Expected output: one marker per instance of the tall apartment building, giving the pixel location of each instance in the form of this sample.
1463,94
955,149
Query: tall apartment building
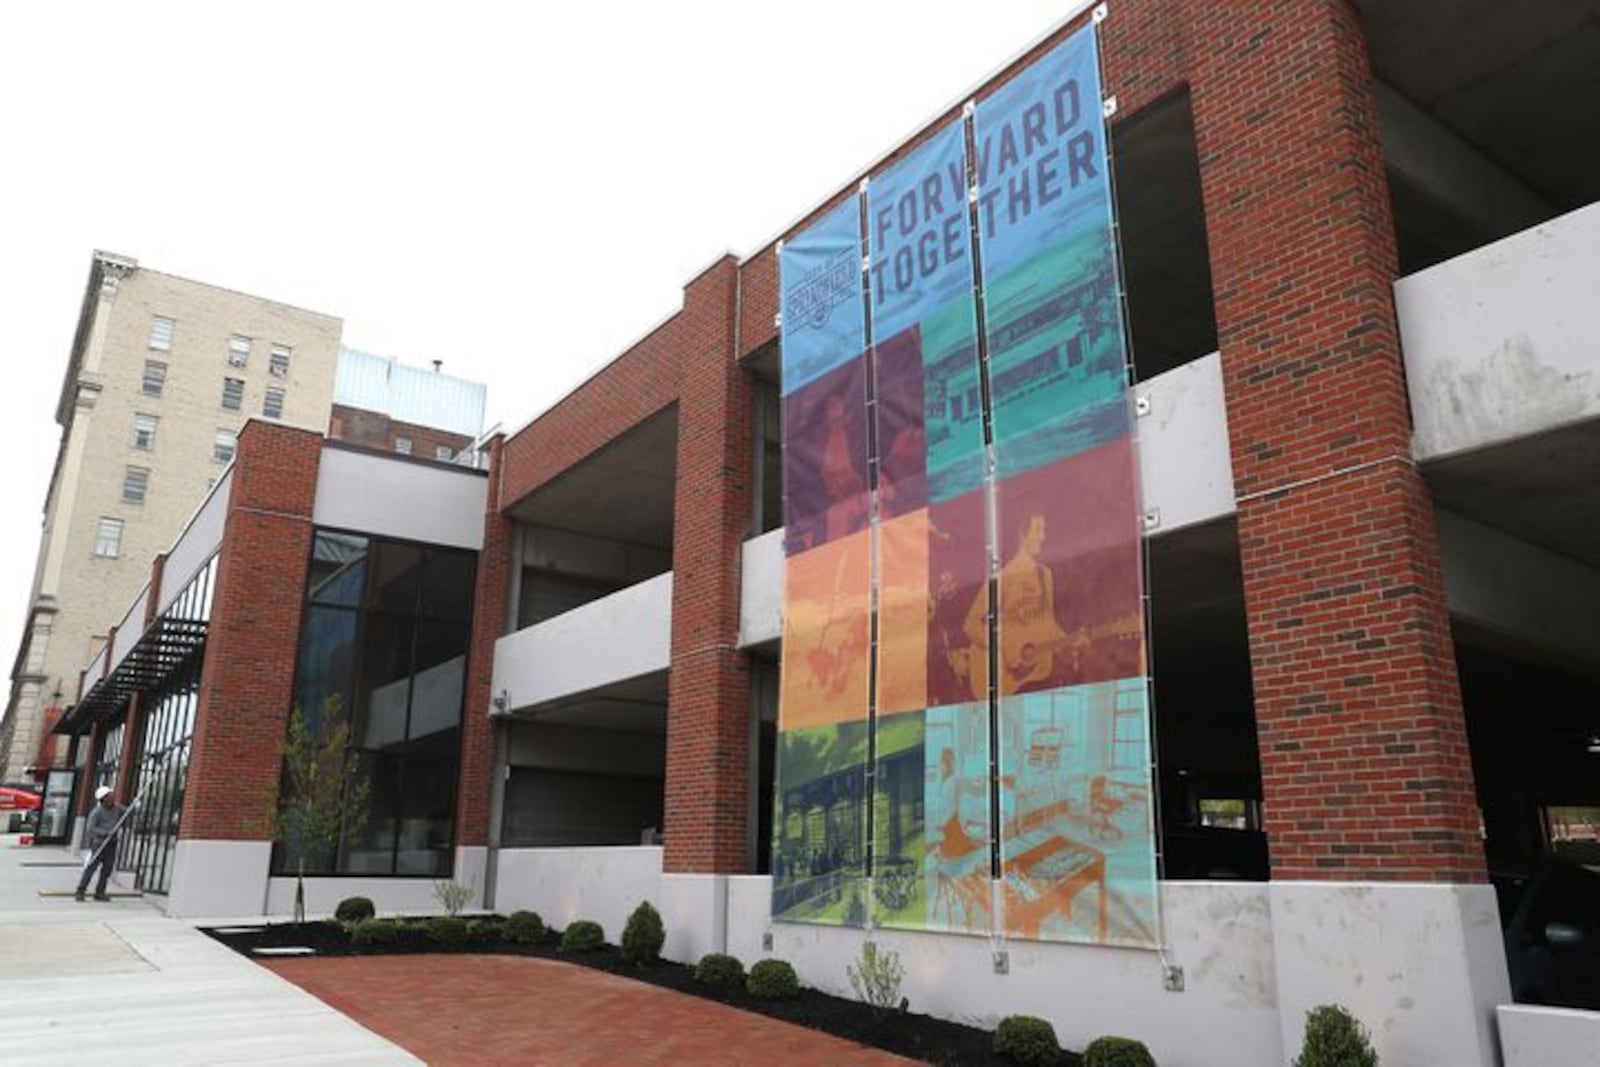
163,373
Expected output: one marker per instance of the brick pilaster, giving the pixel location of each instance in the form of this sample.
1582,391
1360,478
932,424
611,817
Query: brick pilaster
247,682
490,591
1364,753
709,691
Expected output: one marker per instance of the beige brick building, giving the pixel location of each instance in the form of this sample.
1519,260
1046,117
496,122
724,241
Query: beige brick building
162,374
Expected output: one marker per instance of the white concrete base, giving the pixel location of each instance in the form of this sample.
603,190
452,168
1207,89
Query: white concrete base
1548,1037
1220,934
230,879
1422,966
694,909
563,884
218,878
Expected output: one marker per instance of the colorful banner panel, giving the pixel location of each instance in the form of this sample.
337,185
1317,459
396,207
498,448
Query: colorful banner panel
819,851
931,798
1057,367
1077,829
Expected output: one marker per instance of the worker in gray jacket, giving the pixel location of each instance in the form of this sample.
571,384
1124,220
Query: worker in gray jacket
100,838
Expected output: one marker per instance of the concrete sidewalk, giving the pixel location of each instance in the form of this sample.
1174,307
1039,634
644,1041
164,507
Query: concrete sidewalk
120,982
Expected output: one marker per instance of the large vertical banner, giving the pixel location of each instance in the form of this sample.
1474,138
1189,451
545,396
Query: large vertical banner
931,791
1077,832
819,827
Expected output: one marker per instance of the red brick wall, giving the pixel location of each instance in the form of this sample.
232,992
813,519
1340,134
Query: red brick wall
708,737
1363,743
490,591
247,682
374,429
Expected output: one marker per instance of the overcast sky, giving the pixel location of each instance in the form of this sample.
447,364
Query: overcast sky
519,190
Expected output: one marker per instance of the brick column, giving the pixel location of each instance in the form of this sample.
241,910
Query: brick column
490,590
708,748
247,682
1364,753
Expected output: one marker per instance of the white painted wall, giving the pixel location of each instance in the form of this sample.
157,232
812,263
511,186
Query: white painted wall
1519,590
398,497
198,542
621,636
1548,1037
130,628
230,879
219,878
1504,341
1185,472
761,589
563,884
1422,966
1219,932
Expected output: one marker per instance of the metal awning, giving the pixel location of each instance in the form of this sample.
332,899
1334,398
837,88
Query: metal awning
160,652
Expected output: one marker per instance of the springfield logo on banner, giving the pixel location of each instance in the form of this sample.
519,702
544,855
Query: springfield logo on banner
1008,741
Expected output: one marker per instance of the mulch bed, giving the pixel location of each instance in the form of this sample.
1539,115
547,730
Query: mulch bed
919,1037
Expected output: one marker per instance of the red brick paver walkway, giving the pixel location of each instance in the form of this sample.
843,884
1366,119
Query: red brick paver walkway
517,1010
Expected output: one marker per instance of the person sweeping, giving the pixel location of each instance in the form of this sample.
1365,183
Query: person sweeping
100,833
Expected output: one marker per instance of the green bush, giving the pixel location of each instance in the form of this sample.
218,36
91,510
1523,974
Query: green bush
486,930
582,936
876,978
719,970
1335,1039
354,909
1117,1052
374,931
447,929
1026,1039
772,980
525,927
644,935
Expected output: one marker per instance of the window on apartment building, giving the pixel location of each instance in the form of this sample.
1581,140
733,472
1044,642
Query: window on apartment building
238,350
272,404
108,538
155,378
135,483
278,361
233,393
144,431
443,453
402,445
161,334
223,445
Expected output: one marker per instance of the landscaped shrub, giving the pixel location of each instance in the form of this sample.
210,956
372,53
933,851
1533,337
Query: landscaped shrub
354,909
1026,1039
374,932
447,929
582,936
1117,1052
772,980
524,927
876,977
1335,1039
720,970
451,895
644,935
486,930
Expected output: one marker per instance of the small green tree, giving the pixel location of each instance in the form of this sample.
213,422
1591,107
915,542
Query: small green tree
323,798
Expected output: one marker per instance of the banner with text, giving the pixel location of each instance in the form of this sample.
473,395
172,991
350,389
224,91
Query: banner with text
819,828
931,797
1076,820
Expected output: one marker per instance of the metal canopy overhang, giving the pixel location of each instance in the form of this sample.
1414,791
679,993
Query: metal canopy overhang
162,650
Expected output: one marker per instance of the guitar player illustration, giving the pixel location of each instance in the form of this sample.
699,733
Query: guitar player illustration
1031,638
